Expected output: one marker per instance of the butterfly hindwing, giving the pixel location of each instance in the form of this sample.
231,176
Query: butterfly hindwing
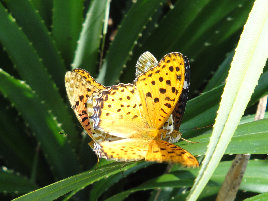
149,150
145,62
181,104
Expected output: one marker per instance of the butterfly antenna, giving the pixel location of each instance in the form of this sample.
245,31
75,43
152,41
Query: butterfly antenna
203,127
188,140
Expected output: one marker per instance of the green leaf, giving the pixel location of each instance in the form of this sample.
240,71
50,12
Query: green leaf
221,74
75,182
66,26
255,178
87,49
252,181
164,181
15,147
174,25
261,89
32,70
120,50
221,24
43,124
201,111
100,187
11,182
252,132
261,197
196,28
33,26
44,9
246,68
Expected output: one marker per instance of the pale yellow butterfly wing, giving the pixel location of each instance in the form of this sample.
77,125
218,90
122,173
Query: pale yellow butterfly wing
80,86
145,62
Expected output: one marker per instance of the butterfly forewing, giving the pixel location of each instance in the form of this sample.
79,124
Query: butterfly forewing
118,112
80,86
160,89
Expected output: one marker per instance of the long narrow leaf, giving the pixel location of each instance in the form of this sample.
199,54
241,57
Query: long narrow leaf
79,181
90,37
177,179
261,197
252,132
11,182
66,26
31,69
32,25
121,47
44,125
16,149
247,65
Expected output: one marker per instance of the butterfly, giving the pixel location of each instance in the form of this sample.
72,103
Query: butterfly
105,112
80,86
147,61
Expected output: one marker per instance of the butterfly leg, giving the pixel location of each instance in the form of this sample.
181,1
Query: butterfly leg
91,144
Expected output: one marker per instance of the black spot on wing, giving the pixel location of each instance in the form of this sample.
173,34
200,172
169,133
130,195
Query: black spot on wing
135,116
167,105
162,90
81,98
149,94
168,82
163,110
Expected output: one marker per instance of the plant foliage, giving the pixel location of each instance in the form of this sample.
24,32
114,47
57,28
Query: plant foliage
44,154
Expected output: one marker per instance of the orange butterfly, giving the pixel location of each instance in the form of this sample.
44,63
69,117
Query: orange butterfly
146,62
132,116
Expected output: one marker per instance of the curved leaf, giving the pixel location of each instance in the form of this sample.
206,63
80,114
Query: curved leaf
32,70
75,182
125,39
252,180
11,182
66,26
32,25
90,37
44,125
245,71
